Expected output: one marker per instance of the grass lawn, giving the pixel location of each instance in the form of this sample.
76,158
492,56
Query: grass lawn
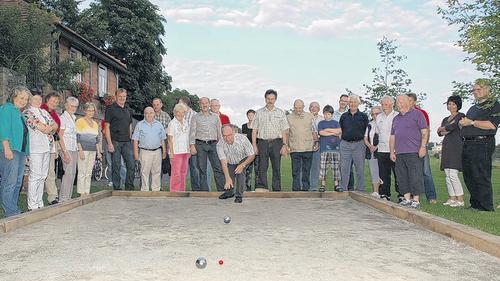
486,221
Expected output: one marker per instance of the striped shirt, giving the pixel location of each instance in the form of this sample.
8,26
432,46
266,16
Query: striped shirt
234,153
188,116
270,124
204,127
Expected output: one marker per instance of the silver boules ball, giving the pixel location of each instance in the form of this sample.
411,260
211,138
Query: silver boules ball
227,219
201,263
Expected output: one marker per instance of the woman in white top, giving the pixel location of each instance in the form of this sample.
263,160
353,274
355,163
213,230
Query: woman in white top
371,142
69,148
178,139
41,127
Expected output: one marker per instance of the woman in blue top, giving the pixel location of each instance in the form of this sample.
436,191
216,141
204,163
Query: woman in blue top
14,149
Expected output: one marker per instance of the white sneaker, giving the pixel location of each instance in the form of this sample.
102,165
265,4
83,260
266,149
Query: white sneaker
449,202
258,189
375,194
457,204
110,184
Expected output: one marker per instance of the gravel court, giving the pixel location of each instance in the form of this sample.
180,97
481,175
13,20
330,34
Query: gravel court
268,239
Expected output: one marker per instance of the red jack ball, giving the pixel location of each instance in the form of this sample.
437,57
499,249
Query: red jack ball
221,262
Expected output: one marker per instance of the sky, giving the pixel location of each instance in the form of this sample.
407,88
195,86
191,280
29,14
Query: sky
309,49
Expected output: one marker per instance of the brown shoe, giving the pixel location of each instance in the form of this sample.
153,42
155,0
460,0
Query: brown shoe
433,202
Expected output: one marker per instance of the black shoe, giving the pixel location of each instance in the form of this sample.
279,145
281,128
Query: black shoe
339,189
350,188
383,196
400,199
238,200
225,195
53,202
322,189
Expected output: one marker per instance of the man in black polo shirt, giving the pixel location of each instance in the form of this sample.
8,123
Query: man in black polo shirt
478,132
118,129
352,147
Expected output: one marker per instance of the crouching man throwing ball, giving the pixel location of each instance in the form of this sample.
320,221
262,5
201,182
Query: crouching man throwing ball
235,153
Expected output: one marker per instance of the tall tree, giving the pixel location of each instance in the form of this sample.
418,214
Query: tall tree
132,32
24,41
66,10
170,100
388,78
478,23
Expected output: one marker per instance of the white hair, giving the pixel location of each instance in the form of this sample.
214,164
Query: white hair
355,97
72,101
388,98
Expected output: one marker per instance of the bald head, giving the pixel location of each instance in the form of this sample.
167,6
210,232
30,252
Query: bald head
298,106
228,134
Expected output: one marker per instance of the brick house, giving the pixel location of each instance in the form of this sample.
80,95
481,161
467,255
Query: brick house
104,71
103,74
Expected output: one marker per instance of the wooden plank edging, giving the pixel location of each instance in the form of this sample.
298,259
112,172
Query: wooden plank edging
15,222
204,194
475,238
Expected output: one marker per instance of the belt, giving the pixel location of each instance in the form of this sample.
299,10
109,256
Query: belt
150,149
352,141
476,138
269,140
206,141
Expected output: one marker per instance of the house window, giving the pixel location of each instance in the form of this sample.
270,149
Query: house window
103,80
74,54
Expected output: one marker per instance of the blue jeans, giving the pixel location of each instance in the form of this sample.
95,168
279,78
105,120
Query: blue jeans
314,176
430,189
123,150
301,169
11,173
194,173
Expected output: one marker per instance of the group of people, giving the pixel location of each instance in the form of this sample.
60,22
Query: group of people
206,145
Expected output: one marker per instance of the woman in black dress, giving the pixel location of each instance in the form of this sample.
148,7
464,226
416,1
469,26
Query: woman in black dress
451,159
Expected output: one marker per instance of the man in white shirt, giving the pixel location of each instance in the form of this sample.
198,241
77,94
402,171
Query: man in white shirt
385,164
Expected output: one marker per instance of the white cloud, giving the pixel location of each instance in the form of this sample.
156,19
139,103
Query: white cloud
239,87
420,27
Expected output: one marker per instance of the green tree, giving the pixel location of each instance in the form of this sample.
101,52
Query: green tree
132,32
478,23
66,10
61,76
170,100
388,78
479,29
24,41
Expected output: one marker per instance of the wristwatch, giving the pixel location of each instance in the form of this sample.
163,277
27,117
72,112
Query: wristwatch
472,123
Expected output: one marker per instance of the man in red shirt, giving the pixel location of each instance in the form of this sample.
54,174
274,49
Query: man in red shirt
430,189
51,104
215,107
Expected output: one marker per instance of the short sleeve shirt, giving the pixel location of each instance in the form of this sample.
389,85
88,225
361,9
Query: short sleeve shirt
480,114
328,143
149,135
270,124
119,119
406,129
234,153
180,136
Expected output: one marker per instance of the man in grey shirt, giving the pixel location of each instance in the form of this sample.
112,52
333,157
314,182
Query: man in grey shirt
203,137
235,153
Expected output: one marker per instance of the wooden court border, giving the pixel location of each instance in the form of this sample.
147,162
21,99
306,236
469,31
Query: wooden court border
475,238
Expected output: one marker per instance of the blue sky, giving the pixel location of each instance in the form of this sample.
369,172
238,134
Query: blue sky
308,49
